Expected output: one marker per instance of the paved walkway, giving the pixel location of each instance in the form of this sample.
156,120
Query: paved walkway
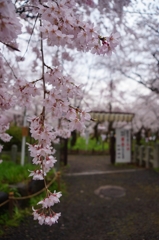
94,164
133,215
79,165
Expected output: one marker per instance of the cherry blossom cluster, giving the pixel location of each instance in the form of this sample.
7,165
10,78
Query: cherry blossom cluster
57,101
59,24
46,215
62,25
46,218
25,91
41,152
10,26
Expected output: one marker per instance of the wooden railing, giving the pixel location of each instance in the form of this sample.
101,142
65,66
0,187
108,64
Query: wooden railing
11,198
146,156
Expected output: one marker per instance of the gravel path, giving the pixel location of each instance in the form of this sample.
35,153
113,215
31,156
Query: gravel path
86,215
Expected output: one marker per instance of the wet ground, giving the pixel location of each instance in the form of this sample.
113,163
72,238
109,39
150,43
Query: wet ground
133,215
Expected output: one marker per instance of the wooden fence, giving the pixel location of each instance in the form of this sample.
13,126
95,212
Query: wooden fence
146,156
11,198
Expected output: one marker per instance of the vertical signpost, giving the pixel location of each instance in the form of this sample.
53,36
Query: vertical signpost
123,146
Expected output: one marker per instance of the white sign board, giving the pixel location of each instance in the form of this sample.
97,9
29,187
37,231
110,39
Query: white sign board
123,146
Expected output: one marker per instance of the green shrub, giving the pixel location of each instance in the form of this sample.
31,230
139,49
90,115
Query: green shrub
11,172
92,145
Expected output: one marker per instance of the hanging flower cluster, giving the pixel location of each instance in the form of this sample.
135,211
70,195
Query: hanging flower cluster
58,23
45,215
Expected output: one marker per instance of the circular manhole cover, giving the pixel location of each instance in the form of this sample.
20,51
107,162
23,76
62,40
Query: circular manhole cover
110,192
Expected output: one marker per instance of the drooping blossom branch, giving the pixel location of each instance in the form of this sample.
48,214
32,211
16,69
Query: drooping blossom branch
59,25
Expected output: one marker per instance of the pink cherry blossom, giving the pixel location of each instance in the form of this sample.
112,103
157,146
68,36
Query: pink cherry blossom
51,200
37,174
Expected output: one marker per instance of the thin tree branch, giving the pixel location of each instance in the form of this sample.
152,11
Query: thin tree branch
31,35
153,89
10,46
9,66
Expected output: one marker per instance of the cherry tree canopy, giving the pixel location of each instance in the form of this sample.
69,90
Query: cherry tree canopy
133,68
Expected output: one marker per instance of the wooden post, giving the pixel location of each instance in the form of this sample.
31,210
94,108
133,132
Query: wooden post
11,195
112,149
